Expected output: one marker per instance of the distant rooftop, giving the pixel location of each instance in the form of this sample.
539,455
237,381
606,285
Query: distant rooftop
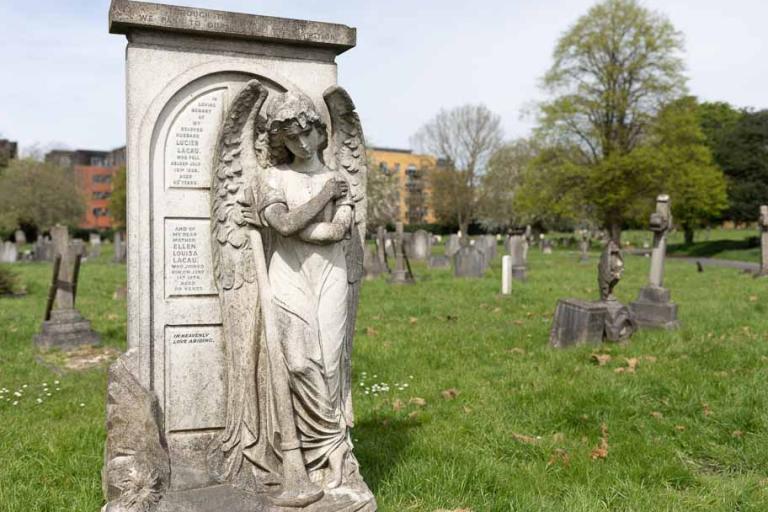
392,150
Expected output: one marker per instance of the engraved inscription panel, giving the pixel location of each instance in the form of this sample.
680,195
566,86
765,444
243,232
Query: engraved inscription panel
188,263
192,140
196,389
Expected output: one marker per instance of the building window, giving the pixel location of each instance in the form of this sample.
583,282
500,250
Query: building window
383,167
101,195
100,212
101,178
97,161
397,168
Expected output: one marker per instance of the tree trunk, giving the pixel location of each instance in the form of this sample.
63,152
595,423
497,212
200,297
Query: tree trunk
614,230
464,228
689,232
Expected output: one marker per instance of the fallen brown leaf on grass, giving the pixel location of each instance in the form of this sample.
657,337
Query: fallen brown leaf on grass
680,428
737,433
420,402
558,437
753,298
370,331
450,394
412,320
706,410
517,350
524,438
559,455
397,405
650,359
657,415
413,415
631,365
518,322
601,359
601,452
467,409
497,310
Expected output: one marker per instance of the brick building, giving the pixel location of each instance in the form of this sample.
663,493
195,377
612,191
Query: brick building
94,172
412,171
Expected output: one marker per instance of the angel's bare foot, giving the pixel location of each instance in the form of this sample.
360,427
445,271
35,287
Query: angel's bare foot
298,490
336,466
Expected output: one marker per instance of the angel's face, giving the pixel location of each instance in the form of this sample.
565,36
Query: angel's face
303,144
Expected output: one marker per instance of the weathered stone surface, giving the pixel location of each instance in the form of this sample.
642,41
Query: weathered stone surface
439,261
452,245
120,248
19,237
762,223
518,264
65,330
469,261
653,308
421,245
94,245
401,274
577,321
9,253
223,267
546,246
506,274
136,469
43,250
372,264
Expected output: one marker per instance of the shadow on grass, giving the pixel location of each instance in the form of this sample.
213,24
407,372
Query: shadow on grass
712,248
384,440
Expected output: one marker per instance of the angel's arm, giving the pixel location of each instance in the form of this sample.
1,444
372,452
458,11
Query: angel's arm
327,232
288,222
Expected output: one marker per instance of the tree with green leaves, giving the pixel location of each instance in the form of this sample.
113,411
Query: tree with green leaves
463,140
38,195
613,70
383,196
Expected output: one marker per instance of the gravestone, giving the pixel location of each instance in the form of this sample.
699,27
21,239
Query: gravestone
546,246
583,246
217,103
653,307
63,326
371,265
381,248
469,261
518,265
763,224
421,245
43,250
402,272
94,245
528,241
120,248
506,274
9,253
578,321
452,245
20,237
439,261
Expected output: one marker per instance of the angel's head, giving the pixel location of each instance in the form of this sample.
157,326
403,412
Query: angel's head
295,129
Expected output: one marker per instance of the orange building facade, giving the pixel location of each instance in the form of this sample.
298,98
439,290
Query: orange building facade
412,171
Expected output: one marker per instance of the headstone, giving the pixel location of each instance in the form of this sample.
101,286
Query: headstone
469,261
763,224
506,274
402,271
528,241
381,251
584,246
421,246
43,250
546,246
9,253
20,237
63,326
120,248
439,261
94,245
578,321
217,102
452,245
653,307
488,246
371,264
517,254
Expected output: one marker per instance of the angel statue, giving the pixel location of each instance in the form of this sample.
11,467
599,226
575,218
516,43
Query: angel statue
287,235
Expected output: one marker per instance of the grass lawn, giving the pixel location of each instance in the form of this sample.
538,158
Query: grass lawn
529,429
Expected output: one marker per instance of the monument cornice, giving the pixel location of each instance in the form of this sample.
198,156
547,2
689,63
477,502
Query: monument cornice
127,16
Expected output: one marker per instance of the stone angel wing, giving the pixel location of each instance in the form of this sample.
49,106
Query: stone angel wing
234,164
350,160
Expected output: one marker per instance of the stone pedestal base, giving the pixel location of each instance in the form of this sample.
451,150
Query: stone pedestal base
66,329
439,261
578,321
654,309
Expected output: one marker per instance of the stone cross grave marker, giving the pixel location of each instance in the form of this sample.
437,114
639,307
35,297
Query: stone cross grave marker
653,307
402,272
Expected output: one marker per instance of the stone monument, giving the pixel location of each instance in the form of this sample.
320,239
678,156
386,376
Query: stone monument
578,321
381,248
421,245
246,220
763,224
9,252
506,274
469,261
583,245
517,253
94,245
120,248
402,273
653,307
20,237
452,245
63,325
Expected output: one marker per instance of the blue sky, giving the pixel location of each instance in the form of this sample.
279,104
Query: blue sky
62,81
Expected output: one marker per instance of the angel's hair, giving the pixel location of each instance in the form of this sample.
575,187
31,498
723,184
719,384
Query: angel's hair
290,113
